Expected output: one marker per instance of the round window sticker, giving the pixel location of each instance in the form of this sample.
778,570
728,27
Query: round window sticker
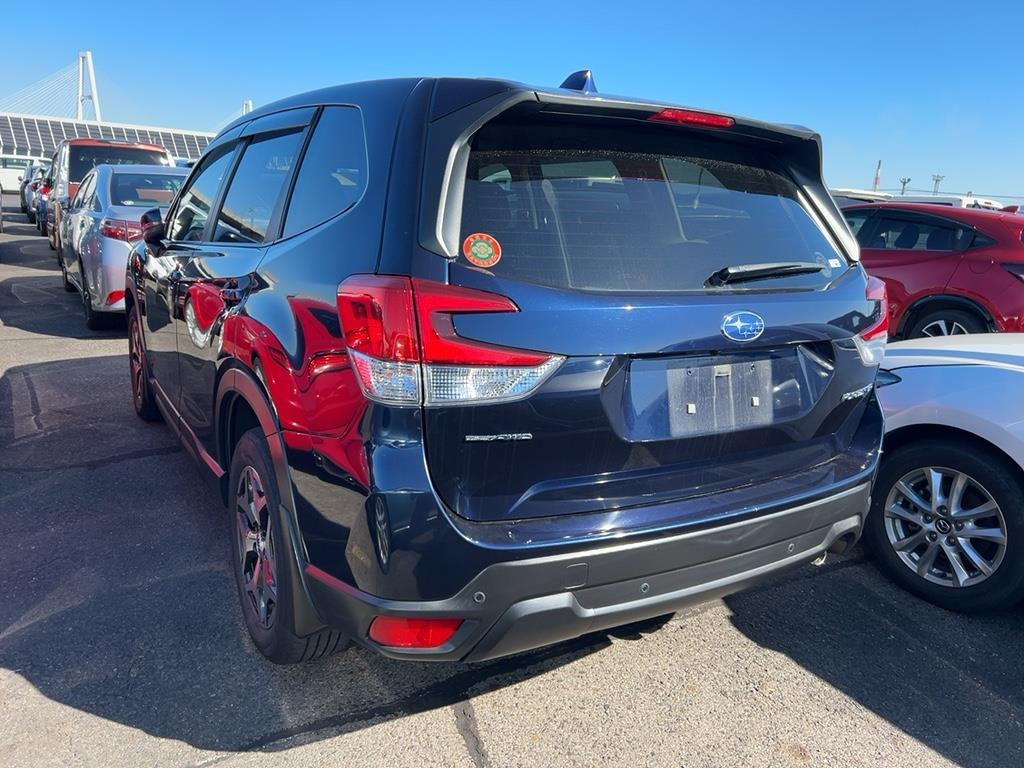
481,250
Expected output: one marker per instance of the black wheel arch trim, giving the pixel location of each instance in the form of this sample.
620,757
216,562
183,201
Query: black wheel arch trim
960,302
237,381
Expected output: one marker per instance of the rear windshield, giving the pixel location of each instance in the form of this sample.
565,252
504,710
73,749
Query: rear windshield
84,159
152,190
632,209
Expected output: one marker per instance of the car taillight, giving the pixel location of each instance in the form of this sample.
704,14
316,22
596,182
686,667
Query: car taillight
114,296
119,229
690,117
398,632
872,340
401,338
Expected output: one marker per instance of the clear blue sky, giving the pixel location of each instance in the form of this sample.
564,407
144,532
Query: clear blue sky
923,86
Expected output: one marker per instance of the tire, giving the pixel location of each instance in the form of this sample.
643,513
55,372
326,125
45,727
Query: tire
50,240
263,562
142,395
947,322
94,321
24,208
65,283
31,216
990,477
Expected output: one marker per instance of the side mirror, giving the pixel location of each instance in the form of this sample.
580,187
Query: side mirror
152,226
19,178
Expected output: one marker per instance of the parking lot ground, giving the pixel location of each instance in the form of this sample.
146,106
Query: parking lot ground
121,642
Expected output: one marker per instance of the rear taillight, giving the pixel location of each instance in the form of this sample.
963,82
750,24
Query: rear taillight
872,340
401,338
398,632
119,229
690,117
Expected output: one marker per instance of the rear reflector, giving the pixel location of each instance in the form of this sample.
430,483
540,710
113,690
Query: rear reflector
688,116
114,296
399,632
871,341
401,338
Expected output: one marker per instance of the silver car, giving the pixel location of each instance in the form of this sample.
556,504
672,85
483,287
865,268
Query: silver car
100,227
947,516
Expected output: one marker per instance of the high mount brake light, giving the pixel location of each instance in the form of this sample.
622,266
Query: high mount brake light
691,117
872,340
402,341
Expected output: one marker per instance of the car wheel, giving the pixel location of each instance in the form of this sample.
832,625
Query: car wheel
24,208
947,322
31,216
67,284
142,396
94,321
50,239
262,557
947,523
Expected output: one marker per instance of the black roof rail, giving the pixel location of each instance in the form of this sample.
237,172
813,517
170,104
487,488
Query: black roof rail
580,81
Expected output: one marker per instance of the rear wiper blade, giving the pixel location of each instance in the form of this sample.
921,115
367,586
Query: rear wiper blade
741,273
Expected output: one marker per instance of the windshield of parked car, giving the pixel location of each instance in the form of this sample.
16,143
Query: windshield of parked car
84,159
142,189
594,207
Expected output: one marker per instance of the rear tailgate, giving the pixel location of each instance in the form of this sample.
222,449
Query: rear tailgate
606,233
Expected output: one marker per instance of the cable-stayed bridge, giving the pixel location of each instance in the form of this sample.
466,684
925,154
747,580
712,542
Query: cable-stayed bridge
66,105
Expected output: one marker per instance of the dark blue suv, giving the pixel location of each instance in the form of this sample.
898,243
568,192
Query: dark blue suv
479,367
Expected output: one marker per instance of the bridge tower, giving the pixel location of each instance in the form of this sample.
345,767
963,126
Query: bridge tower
87,87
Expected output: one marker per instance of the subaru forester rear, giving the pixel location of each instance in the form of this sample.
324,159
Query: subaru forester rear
567,362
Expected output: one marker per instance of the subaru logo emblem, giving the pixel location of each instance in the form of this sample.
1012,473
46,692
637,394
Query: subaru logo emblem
742,326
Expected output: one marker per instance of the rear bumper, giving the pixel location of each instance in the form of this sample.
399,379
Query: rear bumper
516,606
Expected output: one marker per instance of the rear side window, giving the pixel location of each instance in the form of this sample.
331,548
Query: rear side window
630,209
919,233
332,176
256,188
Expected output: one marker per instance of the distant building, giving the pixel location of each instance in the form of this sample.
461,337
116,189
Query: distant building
27,138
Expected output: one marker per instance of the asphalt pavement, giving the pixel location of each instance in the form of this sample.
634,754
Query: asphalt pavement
121,642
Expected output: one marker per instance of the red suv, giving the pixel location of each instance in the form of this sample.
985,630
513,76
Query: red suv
948,270
74,158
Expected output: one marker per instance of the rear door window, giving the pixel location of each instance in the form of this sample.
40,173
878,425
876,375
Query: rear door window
256,188
332,176
630,211
919,233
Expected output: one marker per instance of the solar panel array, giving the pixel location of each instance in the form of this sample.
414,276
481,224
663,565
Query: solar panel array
32,136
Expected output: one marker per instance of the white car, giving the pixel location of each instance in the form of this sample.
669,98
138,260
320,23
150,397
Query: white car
947,510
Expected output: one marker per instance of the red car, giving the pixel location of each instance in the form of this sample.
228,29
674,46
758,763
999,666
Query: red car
74,158
948,270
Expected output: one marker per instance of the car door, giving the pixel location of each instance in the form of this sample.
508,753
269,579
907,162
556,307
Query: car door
915,253
73,222
187,223
214,279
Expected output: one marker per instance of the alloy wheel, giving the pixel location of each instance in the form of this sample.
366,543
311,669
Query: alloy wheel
945,526
137,363
256,546
944,328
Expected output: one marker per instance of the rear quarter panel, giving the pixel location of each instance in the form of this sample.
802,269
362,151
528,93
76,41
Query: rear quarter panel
983,400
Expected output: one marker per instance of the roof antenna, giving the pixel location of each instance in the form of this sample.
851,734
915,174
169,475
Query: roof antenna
580,81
